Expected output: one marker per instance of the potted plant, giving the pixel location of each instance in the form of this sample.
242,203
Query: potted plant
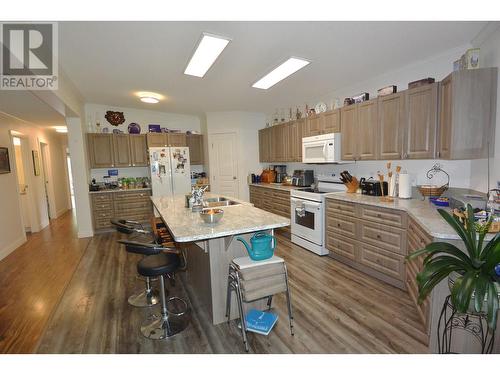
474,284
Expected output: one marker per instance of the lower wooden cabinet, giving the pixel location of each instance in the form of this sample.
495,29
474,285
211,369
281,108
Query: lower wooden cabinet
131,205
361,234
272,200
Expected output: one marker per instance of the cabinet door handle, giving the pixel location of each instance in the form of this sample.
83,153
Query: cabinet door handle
378,236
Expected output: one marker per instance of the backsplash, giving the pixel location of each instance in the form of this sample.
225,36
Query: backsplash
99,173
459,170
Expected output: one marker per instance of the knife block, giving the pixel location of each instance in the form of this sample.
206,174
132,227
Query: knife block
352,187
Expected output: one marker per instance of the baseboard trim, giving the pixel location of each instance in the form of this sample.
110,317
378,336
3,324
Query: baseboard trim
13,246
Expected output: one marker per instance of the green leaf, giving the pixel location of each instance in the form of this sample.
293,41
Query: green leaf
492,305
481,287
447,248
426,285
460,229
483,234
461,292
471,229
493,258
490,246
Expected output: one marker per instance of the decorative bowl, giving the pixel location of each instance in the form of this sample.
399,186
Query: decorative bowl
212,215
432,190
134,128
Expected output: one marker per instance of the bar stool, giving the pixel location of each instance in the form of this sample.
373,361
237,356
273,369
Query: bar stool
255,280
170,322
149,296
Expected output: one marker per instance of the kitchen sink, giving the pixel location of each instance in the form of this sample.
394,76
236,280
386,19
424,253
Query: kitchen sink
219,202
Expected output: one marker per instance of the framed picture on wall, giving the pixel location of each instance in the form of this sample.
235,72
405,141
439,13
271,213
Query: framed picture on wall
36,162
4,160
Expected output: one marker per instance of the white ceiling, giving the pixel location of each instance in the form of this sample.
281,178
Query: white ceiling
108,61
27,107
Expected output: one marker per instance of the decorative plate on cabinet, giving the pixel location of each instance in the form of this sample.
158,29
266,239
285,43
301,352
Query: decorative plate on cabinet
320,107
114,118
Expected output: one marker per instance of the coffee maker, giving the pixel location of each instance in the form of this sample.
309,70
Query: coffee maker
280,171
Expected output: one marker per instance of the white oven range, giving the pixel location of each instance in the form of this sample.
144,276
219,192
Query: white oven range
308,214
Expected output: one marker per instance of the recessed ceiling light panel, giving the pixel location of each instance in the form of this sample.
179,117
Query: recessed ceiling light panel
207,51
286,69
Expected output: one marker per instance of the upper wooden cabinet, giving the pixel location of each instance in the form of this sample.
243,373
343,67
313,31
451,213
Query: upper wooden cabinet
314,125
349,121
176,139
420,122
265,145
323,123
167,140
467,114
121,150
367,131
331,123
100,147
139,150
359,131
195,144
390,126
117,150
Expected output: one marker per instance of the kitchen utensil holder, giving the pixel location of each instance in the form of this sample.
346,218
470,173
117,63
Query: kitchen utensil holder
352,186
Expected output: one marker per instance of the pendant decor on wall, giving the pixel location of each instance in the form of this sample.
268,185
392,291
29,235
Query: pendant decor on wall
115,118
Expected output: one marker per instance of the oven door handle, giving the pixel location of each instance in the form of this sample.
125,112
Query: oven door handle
298,203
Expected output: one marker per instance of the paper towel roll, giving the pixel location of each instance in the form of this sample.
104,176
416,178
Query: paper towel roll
404,185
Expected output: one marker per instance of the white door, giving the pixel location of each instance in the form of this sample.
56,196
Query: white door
224,164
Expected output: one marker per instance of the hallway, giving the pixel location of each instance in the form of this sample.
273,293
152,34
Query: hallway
33,279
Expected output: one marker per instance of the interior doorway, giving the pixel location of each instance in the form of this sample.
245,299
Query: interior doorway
224,164
21,151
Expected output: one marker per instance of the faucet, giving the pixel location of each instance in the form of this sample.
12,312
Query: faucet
197,196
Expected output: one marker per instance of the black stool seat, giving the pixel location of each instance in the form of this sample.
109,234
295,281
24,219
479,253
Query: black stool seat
141,248
159,264
122,226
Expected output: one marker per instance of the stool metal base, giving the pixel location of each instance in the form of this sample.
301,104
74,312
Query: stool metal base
161,328
145,298
169,324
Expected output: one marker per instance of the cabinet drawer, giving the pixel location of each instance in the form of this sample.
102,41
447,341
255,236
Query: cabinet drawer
267,204
102,223
138,216
340,208
383,216
102,206
345,227
102,198
341,245
132,196
383,261
103,215
421,237
383,236
134,205
281,209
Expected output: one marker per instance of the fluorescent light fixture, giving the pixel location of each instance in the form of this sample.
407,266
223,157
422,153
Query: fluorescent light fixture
286,69
61,129
149,97
207,51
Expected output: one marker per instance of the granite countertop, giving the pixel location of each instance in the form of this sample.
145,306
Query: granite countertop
277,186
423,212
117,190
188,226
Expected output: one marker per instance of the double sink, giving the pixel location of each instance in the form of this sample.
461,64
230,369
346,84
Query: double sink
218,202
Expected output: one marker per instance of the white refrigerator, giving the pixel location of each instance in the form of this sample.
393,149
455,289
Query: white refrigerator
170,171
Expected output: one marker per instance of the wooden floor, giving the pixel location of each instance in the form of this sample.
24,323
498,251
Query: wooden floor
33,279
336,310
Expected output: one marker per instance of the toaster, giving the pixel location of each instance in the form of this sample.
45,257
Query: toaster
372,187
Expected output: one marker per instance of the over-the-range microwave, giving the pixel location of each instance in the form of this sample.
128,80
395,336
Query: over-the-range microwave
323,148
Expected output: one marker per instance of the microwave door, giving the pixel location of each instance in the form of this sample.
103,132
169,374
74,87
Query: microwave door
314,152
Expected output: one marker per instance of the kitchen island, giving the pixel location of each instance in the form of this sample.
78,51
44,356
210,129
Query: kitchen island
211,247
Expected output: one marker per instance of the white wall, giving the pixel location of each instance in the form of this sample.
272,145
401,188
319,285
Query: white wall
245,125
142,117
463,173
11,229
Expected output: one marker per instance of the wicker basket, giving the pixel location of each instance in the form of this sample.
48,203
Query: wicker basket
432,190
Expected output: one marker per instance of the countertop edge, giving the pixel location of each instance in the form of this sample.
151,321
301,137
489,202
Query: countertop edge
278,187
118,191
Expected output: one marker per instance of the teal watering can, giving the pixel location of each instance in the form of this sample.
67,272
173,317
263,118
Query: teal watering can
262,247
